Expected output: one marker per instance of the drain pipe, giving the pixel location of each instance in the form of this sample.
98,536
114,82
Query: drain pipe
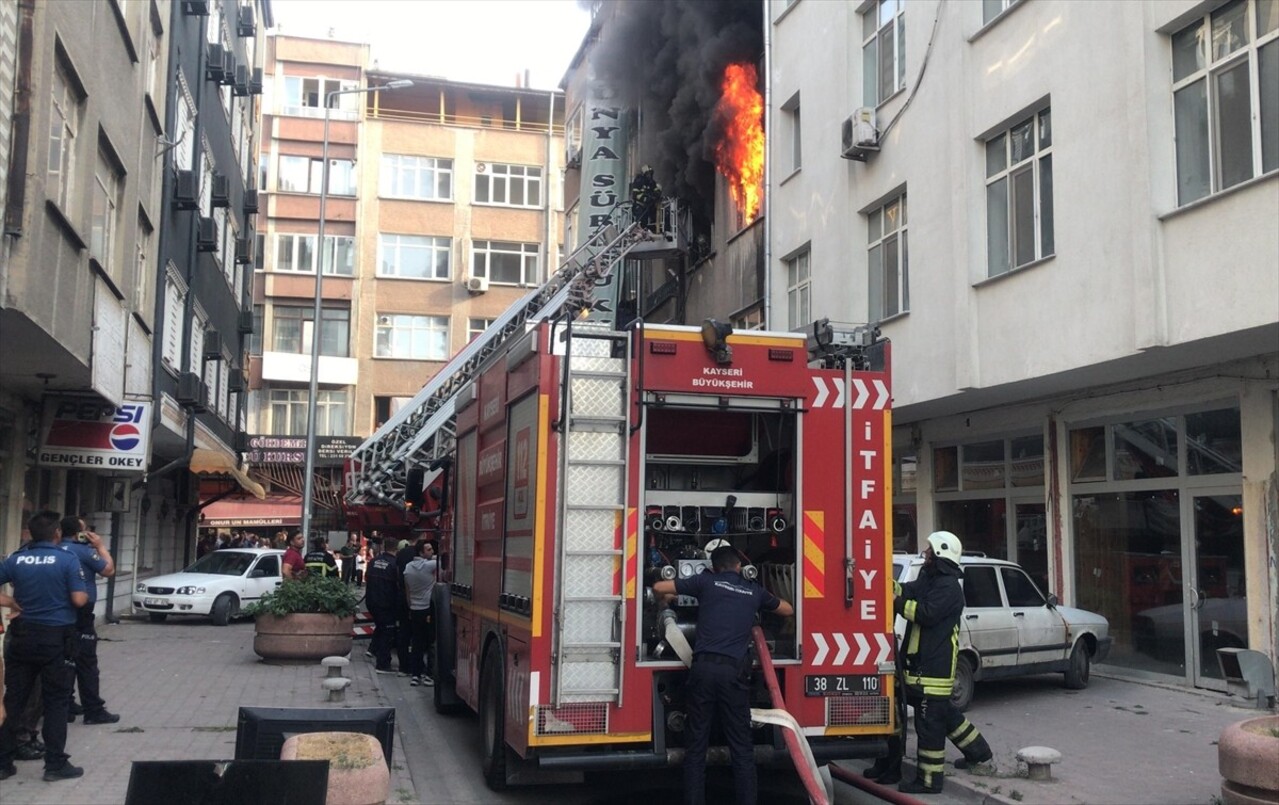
768,171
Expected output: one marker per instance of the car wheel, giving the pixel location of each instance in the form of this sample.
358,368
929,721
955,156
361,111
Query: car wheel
493,722
158,617
1080,666
961,695
223,608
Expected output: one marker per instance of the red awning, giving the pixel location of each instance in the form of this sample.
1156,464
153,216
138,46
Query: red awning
274,511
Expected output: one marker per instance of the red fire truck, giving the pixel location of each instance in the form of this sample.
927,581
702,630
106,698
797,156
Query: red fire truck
571,465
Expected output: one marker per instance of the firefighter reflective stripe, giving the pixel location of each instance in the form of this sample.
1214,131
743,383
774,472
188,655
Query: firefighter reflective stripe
932,764
908,610
931,685
964,734
814,554
912,645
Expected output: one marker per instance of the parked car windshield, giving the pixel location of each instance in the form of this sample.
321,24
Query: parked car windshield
223,563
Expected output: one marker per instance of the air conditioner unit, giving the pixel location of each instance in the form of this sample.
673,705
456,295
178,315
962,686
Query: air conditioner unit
195,8
477,284
206,236
212,345
241,80
573,157
191,391
251,200
859,137
213,62
228,69
255,81
220,193
186,191
240,442
235,380
244,324
244,251
245,24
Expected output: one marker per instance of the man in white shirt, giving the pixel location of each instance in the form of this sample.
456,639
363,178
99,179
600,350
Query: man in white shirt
419,580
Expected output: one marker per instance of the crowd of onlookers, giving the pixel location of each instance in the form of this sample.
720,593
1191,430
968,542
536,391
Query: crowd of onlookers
350,559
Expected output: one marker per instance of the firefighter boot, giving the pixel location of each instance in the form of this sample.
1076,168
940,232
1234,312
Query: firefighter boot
918,786
885,771
972,743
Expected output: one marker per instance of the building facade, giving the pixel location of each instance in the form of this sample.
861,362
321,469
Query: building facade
1075,260
443,208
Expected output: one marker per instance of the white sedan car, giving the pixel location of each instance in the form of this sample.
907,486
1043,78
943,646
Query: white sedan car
1010,629
217,585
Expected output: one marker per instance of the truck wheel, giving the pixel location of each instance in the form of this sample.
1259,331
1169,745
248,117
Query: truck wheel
1080,665
493,721
223,606
444,694
961,695
158,617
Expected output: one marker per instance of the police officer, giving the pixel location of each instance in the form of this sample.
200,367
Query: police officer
384,590
48,586
719,681
932,605
95,560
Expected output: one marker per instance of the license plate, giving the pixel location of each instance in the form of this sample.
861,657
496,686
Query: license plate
843,685
154,602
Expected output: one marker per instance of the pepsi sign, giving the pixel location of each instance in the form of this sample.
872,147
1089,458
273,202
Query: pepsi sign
88,434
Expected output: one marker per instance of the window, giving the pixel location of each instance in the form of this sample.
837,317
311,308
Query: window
306,97
288,412
883,51
206,184
104,221
476,327
798,288
154,75
993,8
424,178
791,108
512,185
297,253
64,121
888,260
255,337
1226,132
505,263
980,587
294,328
752,318
304,175
174,306
142,276
414,256
401,335
385,407
184,151
259,251
196,356
1019,194
1020,589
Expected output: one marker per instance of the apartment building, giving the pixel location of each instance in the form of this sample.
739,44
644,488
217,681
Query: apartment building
1062,215
443,208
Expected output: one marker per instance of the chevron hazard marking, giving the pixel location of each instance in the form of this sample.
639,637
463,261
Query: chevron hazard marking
822,648
839,389
863,649
822,393
882,390
843,649
885,648
863,393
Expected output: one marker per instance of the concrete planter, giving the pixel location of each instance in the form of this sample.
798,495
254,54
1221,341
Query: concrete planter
357,769
1248,758
302,637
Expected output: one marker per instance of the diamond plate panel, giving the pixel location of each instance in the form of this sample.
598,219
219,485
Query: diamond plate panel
590,529
588,622
593,485
591,347
588,445
588,575
598,396
593,676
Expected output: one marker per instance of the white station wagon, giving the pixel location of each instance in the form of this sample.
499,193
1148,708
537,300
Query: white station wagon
217,585
1010,629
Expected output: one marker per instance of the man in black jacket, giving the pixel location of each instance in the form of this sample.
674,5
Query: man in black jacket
384,591
932,606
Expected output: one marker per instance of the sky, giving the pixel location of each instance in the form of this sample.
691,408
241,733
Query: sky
483,41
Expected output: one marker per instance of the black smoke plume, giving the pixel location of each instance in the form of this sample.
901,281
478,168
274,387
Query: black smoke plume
667,58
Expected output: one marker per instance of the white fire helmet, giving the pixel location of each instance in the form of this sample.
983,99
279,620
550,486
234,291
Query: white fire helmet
946,545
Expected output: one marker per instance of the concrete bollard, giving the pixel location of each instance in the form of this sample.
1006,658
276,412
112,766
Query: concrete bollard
1039,761
336,686
335,666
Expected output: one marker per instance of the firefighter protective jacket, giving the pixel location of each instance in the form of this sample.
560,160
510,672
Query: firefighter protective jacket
932,605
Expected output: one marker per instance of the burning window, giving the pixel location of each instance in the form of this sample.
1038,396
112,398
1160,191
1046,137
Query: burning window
739,153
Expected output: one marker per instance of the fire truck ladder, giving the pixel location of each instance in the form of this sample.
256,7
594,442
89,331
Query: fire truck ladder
590,610
424,428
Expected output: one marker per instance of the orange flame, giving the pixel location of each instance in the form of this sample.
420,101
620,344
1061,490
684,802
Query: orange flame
739,155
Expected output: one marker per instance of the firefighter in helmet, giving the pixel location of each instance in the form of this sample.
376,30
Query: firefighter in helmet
932,606
645,193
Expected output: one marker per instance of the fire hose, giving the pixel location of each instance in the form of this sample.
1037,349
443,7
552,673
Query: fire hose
801,754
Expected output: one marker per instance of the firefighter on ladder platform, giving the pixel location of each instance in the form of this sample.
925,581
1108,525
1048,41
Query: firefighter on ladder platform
645,194
932,606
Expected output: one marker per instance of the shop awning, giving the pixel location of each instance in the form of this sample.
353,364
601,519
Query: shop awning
212,462
274,511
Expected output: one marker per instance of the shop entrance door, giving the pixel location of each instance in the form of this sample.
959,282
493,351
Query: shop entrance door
1216,596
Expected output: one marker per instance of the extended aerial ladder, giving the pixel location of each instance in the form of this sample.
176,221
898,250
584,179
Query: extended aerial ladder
422,430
